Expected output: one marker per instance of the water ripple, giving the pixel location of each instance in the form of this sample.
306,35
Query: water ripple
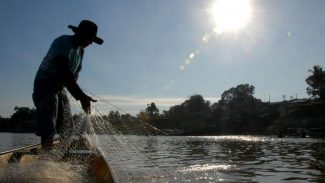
217,159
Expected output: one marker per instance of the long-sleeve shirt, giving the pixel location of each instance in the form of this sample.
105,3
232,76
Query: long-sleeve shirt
62,64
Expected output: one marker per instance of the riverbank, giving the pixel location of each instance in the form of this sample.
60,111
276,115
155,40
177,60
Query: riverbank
269,119
296,118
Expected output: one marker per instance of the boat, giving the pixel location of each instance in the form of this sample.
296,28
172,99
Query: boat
31,161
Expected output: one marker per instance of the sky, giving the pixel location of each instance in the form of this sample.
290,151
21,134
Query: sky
148,43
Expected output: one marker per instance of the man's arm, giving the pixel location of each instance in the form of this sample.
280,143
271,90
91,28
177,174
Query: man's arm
68,78
70,82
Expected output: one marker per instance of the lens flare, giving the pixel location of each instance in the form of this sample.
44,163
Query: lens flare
227,16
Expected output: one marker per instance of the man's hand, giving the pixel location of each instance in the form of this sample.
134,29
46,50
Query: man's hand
85,103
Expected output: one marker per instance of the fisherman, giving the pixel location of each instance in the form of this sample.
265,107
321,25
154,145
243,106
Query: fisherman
59,69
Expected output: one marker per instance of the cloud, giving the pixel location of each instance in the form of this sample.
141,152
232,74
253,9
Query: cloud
134,105
136,101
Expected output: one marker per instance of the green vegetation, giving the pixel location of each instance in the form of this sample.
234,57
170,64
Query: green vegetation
22,120
237,112
316,83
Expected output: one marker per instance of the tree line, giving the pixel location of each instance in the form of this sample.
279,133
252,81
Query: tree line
237,112
22,120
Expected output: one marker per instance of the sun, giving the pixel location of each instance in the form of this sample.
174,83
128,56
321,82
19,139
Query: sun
230,15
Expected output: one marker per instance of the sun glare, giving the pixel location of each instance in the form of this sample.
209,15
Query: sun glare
230,15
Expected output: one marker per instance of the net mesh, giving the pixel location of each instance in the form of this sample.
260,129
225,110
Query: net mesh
111,131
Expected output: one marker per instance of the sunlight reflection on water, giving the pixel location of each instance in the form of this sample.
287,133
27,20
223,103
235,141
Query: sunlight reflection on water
205,159
207,167
217,159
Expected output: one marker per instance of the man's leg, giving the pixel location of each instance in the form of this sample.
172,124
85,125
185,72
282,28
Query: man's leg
46,102
47,143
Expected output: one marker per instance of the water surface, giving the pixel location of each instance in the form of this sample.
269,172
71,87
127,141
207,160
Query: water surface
216,159
9,141
143,159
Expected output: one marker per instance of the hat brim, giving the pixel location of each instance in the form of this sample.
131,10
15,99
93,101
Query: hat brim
96,40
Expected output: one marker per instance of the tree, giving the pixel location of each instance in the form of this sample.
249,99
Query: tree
143,116
237,108
237,101
152,110
114,116
23,119
176,114
196,105
23,113
192,114
240,92
316,82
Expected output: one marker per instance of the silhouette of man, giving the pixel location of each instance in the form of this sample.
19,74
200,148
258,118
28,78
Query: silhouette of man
60,69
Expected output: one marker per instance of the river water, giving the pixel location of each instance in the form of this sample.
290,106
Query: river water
10,141
205,159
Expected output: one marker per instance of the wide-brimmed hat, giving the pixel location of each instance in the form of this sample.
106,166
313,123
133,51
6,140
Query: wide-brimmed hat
88,28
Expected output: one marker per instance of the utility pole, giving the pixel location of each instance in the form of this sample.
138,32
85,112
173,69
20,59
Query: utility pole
284,97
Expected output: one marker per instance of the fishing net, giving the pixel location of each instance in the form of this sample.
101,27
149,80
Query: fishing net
109,131
112,130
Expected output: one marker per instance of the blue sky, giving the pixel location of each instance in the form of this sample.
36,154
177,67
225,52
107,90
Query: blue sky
147,42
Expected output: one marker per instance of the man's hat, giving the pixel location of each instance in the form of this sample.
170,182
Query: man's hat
89,28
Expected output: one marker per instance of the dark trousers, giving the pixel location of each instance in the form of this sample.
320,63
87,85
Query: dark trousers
53,110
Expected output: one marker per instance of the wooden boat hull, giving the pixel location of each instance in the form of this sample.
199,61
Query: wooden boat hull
79,153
